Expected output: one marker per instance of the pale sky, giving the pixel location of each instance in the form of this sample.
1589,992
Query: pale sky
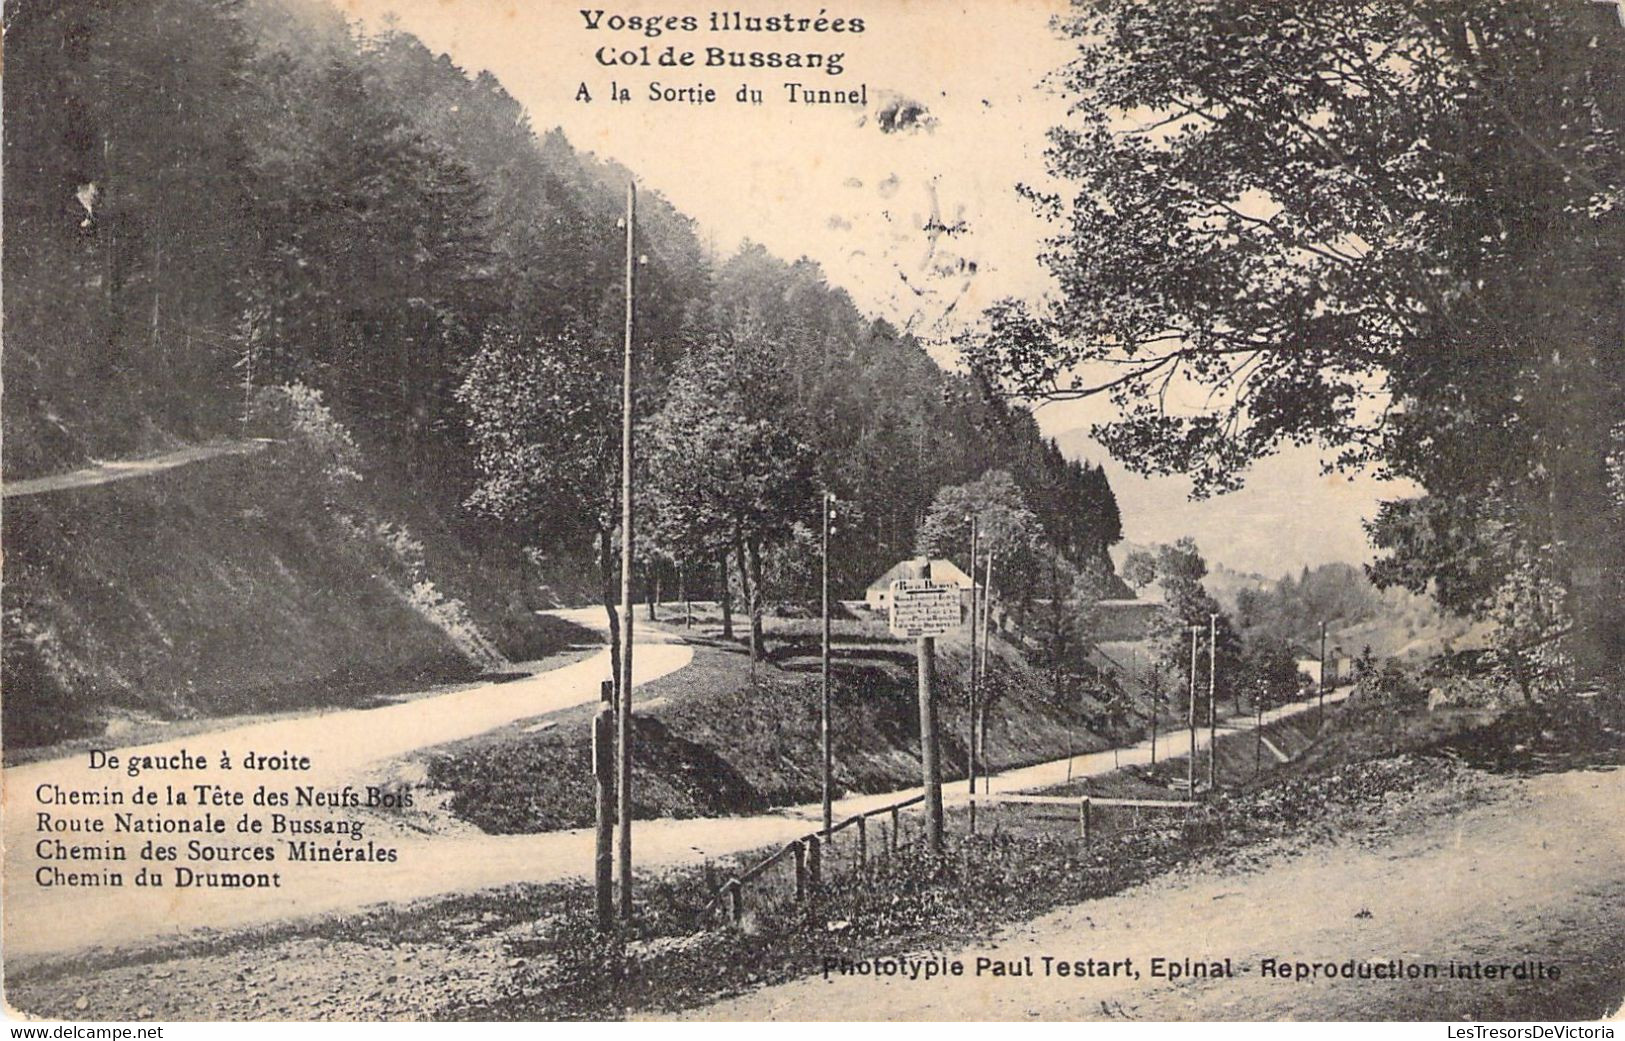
826,182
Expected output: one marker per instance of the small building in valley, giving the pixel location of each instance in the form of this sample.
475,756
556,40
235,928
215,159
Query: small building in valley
878,595
1339,666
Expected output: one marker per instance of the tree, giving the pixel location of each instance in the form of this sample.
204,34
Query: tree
1179,569
311,445
1139,569
1268,672
1393,230
1065,618
1059,624
725,456
545,422
685,514
1006,529
792,566
125,174
1292,609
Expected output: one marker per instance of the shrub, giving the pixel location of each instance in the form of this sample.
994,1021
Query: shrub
1391,687
310,439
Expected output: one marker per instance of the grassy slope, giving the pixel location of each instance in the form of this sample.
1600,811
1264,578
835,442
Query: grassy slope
481,561
712,741
213,589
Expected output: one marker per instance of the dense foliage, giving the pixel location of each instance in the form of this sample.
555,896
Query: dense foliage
1193,638
1395,229
208,197
1293,608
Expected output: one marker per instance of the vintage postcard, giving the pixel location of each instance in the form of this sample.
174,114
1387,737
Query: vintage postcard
1008,510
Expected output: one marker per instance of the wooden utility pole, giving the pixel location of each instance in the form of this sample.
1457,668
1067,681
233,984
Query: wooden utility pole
623,787
1258,731
1155,687
981,726
823,722
1191,766
1212,702
930,764
971,746
1321,721
603,773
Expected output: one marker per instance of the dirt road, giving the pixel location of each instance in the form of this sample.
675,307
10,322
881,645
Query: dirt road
1533,876
344,748
123,469
428,864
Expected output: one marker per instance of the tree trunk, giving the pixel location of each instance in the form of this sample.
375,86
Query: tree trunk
609,575
752,599
753,549
726,596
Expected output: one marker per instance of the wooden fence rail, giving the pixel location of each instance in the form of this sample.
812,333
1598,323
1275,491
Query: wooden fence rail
808,853
1068,800
1085,804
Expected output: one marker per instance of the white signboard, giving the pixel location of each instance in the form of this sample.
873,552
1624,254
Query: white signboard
920,607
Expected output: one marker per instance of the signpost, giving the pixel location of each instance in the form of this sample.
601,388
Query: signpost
924,610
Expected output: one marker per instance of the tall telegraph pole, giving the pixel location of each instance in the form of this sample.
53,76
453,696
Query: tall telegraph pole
1156,697
987,617
1191,766
971,747
623,796
1212,702
1322,712
823,723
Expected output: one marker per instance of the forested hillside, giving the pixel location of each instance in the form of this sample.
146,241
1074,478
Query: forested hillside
1358,615
216,205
